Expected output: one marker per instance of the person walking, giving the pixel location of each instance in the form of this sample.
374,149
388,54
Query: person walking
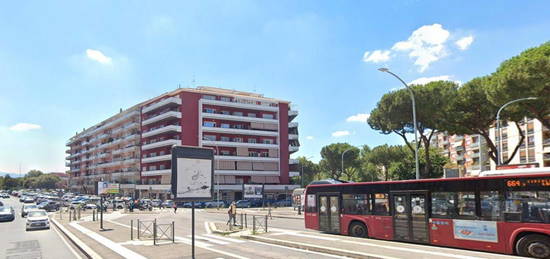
175,206
232,213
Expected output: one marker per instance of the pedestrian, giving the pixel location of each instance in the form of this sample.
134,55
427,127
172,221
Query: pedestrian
175,206
232,213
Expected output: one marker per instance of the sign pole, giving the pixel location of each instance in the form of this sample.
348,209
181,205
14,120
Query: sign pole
101,210
193,229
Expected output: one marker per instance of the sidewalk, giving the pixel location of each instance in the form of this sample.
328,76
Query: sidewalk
114,241
284,212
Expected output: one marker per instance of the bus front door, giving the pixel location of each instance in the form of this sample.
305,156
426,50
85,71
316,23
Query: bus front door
410,218
329,213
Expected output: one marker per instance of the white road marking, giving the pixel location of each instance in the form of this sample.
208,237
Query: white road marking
210,240
197,243
66,243
207,227
226,238
312,236
123,251
298,249
439,254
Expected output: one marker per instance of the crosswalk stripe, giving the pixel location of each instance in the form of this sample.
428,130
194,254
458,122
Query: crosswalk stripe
225,238
188,241
210,240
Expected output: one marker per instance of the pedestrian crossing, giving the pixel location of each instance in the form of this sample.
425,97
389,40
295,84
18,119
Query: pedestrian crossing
208,240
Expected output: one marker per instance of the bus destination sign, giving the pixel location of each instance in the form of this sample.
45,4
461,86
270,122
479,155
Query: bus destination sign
528,183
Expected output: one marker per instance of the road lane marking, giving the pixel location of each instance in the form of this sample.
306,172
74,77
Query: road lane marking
210,240
298,249
121,250
312,236
225,238
207,227
197,243
439,254
66,243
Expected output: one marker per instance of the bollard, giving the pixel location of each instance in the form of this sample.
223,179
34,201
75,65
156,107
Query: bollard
138,229
300,210
265,224
173,232
132,229
79,213
245,223
155,232
69,215
242,225
253,225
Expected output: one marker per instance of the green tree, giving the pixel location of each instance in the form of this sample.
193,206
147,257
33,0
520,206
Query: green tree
10,183
525,75
34,173
471,112
383,156
1,182
393,113
404,169
47,181
331,162
309,169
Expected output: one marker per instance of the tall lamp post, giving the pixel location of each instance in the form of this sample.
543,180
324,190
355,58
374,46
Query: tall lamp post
498,124
383,69
302,172
343,158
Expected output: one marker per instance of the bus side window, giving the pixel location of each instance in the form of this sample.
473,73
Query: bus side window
466,204
528,206
491,205
443,204
311,203
381,204
356,204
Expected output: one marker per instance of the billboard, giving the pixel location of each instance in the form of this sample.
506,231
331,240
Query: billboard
192,173
253,191
107,188
475,230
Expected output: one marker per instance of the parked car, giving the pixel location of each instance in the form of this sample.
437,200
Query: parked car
156,203
4,195
7,214
215,204
243,204
90,206
167,204
49,206
76,204
26,208
28,200
37,219
283,203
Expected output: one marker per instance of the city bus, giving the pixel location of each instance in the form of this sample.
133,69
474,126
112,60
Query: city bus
507,214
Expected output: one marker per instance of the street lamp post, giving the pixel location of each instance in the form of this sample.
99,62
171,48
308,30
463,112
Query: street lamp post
302,172
414,119
498,125
343,158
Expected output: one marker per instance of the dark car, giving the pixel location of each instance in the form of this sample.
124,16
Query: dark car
244,204
49,206
167,204
283,203
7,214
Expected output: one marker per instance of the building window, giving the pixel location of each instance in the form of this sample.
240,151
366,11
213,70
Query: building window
225,99
209,124
238,126
253,115
224,125
252,140
226,112
264,154
161,153
238,139
267,141
209,110
152,168
224,138
267,116
209,97
210,137
253,154
238,113
161,167
225,153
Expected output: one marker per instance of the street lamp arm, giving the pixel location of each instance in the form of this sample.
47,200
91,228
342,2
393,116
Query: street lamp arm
513,101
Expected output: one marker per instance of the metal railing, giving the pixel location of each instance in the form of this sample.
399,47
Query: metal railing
150,229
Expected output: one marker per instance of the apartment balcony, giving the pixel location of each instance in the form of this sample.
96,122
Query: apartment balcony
123,150
240,131
459,157
293,161
459,148
126,127
293,149
157,158
238,144
474,167
246,172
162,116
292,113
125,174
293,124
165,129
163,103
237,118
474,145
475,155
240,105
247,158
293,136
74,170
117,120
546,157
156,172
163,143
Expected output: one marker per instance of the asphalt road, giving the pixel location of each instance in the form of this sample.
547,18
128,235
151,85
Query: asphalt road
15,242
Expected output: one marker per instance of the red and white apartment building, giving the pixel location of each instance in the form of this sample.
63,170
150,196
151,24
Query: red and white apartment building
252,137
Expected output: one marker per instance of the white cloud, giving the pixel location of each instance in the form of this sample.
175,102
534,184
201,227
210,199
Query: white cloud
98,56
360,117
425,80
309,137
464,43
376,56
25,127
426,45
340,133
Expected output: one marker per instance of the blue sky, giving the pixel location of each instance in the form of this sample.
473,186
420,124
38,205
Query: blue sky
66,65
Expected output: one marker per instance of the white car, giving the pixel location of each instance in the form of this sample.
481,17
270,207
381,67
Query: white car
26,208
37,219
90,206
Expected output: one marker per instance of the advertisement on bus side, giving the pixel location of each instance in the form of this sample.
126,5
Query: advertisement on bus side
475,230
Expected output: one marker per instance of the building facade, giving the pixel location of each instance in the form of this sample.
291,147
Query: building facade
252,137
535,148
467,153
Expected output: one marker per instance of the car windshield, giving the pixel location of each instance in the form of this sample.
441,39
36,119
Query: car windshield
5,209
30,207
37,213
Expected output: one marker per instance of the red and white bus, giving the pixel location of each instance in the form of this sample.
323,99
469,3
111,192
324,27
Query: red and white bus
507,214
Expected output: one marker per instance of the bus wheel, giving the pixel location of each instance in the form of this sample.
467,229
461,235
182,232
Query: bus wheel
358,229
534,245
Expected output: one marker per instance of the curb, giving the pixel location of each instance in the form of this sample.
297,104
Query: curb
214,229
273,216
309,247
86,250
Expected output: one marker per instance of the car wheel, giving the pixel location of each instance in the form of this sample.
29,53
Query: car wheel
534,245
358,229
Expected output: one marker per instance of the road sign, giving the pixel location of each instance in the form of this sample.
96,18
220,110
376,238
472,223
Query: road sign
192,173
107,188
